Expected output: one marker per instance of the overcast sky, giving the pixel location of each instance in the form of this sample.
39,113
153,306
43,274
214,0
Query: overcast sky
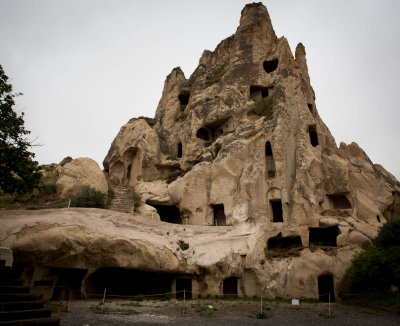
88,66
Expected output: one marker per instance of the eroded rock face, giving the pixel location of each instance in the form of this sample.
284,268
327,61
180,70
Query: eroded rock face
267,200
78,173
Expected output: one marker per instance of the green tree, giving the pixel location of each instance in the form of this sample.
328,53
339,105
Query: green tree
19,173
378,267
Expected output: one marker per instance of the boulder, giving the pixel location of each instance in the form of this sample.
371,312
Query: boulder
78,173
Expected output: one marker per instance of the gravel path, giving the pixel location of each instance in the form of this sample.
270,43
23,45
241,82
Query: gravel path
217,312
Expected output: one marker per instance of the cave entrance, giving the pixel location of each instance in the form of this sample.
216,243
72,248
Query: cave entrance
269,161
339,201
169,214
311,108
277,213
270,65
203,134
180,150
219,215
258,92
184,288
326,290
324,236
184,99
68,284
121,281
280,242
230,287
312,131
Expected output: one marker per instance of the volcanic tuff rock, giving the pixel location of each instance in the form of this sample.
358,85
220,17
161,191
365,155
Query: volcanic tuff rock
78,173
239,143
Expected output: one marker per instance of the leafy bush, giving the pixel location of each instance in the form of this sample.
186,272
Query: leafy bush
89,197
378,267
172,176
262,315
264,107
183,245
136,201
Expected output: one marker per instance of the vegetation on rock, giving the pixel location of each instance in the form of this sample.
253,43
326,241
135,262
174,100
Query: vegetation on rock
264,107
183,245
150,121
217,73
89,197
19,173
378,267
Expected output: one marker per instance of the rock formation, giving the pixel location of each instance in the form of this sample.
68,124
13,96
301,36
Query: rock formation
78,173
237,154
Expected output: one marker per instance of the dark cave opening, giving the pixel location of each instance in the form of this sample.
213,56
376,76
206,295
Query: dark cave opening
184,99
324,236
230,287
312,131
219,215
270,65
280,242
277,212
121,281
170,214
68,285
183,288
326,290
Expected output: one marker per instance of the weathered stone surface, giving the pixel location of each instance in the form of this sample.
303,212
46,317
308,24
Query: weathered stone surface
78,173
235,179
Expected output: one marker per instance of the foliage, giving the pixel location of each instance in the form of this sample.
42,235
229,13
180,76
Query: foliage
217,73
183,245
389,235
150,121
19,173
264,107
378,267
89,197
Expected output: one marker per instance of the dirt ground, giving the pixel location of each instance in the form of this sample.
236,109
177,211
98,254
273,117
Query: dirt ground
215,312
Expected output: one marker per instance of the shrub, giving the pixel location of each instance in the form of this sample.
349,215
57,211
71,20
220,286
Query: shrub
263,107
183,245
136,201
89,197
378,267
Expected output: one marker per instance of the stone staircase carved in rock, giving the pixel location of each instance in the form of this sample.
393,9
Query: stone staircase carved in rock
17,305
123,200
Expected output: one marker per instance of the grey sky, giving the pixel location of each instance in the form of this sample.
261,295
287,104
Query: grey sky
87,66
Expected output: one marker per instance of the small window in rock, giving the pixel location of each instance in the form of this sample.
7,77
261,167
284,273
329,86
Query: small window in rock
184,99
312,130
179,150
324,236
311,108
277,212
268,149
219,215
378,218
258,92
270,65
339,201
269,160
